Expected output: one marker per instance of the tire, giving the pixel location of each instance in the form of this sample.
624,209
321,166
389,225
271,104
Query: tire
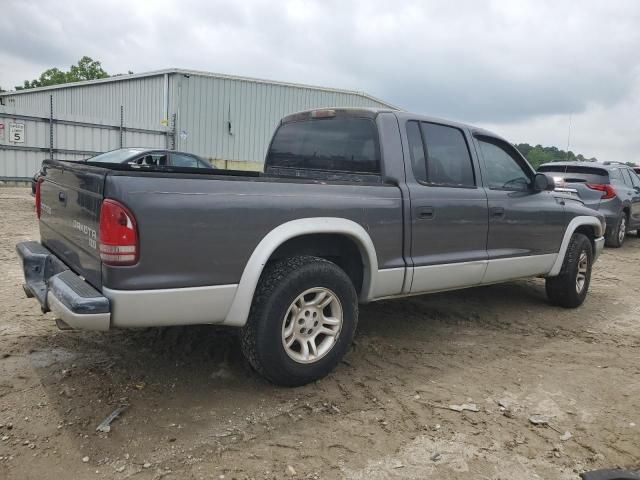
280,322
566,290
617,234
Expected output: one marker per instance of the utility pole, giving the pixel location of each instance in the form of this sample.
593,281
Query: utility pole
569,137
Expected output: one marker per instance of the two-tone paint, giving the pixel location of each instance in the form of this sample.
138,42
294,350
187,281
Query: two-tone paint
205,238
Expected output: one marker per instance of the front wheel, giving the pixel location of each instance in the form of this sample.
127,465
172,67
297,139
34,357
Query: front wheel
302,320
569,289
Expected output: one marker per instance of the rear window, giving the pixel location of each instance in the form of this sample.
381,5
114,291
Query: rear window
115,156
342,144
576,174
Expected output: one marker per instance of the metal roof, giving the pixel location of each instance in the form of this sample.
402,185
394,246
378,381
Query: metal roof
133,76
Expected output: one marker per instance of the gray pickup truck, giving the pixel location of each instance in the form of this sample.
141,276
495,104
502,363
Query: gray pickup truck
355,206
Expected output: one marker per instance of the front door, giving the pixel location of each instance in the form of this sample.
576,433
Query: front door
526,227
448,209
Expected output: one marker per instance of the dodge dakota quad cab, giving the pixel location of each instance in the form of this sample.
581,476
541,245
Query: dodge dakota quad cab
354,206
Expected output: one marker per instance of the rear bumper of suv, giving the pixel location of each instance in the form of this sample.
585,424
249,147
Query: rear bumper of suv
75,303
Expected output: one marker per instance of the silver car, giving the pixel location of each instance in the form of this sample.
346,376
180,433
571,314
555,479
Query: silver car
611,188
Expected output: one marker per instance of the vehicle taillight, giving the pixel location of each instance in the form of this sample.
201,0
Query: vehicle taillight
38,206
118,234
606,189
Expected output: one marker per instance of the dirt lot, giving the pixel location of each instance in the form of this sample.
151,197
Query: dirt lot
195,409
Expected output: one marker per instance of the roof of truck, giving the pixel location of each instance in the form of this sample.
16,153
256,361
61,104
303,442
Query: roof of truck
404,115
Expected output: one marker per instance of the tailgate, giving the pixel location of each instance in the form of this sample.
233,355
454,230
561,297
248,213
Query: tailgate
589,196
70,199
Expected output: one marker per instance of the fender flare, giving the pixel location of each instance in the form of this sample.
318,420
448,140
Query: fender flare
241,305
571,228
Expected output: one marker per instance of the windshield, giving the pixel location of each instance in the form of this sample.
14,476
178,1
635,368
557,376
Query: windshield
115,156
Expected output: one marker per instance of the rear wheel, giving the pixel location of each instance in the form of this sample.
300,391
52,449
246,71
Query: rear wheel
302,320
569,289
618,232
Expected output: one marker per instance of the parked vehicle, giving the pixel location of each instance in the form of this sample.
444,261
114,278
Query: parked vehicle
143,158
610,188
355,206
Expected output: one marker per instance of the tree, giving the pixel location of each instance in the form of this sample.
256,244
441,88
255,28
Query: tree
85,69
538,155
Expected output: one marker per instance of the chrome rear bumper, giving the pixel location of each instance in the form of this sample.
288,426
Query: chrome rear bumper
75,303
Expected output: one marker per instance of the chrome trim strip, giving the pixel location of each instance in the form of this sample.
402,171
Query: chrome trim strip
170,306
85,321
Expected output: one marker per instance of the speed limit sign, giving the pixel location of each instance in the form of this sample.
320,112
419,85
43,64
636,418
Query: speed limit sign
16,132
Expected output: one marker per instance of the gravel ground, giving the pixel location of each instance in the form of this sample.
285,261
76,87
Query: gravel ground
196,410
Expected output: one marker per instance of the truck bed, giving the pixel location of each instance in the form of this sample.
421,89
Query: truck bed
199,228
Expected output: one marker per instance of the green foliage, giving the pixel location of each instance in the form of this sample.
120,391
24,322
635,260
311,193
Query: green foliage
538,155
85,69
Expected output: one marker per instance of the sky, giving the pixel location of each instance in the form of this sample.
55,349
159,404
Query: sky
524,69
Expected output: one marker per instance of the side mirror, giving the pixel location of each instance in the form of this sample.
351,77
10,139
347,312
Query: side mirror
541,183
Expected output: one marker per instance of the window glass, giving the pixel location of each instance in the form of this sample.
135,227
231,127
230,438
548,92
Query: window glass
579,173
635,179
626,174
115,156
448,159
615,174
346,144
417,151
182,160
152,159
503,170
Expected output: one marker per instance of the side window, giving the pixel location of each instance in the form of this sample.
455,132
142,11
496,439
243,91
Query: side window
416,147
504,170
448,158
626,174
635,179
615,174
443,158
182,160
152,159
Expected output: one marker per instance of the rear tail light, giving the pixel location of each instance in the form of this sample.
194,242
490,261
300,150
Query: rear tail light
38,196
118,234
606,189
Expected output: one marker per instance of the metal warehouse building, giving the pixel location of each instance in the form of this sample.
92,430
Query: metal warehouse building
227,119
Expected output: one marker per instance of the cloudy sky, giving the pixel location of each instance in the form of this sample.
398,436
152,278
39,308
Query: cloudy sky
520,68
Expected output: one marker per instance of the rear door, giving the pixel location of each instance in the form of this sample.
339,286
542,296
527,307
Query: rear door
448,209
633,194
71,196
525,227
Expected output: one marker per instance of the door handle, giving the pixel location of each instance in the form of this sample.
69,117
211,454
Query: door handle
62,197
497,211
425,213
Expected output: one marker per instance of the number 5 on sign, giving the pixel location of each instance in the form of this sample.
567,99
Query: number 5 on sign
16,132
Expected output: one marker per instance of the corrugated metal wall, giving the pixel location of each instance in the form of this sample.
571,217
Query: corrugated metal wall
142,99
207,106
229,120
